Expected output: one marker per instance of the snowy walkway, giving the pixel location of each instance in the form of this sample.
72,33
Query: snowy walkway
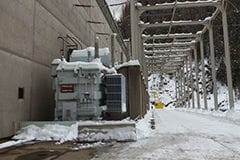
181,135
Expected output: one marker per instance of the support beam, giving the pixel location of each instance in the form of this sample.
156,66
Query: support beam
227,56
184,88
166,36
197,76
134,29
157,68
175,44
176,86
191,79
212,53
165,64
187,82
166,56
214,16
186,4
162,71
165,61
203,74
166,51
174,23
181,88
186,40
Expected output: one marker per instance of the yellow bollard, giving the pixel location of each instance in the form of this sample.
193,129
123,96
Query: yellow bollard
158,105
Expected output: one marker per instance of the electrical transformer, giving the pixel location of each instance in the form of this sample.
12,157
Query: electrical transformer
85,87
77,90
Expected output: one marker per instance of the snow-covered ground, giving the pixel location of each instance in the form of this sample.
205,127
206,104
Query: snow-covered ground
180,135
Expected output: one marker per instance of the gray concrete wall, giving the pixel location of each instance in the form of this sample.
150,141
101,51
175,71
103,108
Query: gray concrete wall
28,43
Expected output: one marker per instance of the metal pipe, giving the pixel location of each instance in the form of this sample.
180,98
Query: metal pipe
113,37
121,57
96,47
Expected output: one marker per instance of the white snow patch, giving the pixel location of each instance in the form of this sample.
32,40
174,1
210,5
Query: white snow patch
129,63
95,64
143,126
51,132
87,145
13,143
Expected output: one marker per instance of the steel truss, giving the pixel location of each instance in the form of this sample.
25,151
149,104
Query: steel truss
161,51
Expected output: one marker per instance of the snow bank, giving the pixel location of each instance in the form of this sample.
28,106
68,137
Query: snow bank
143,127
49,132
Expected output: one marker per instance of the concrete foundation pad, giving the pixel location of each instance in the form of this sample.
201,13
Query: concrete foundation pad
95,131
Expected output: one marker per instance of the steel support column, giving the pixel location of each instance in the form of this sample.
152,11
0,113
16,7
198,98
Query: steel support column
227,55
203,74
212,53
134,29
187,83
181,88
191,78
176,87
197,77
184,87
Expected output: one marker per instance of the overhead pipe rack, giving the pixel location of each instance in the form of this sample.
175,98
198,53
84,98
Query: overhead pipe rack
138,38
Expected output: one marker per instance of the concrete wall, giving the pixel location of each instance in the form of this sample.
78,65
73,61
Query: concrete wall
28,43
